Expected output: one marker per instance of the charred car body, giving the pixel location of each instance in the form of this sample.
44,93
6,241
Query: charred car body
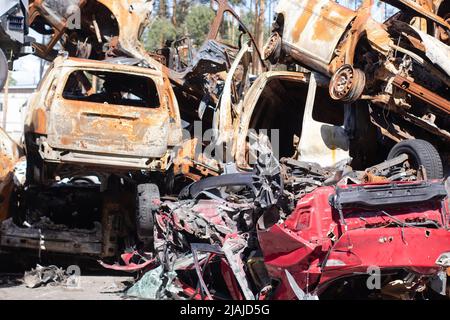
99,141
398,67
97,114
312,134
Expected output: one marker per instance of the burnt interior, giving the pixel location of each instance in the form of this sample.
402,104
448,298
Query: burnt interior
74,205
112,88
284,100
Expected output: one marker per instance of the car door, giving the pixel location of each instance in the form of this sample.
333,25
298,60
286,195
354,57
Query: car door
231,99
321,142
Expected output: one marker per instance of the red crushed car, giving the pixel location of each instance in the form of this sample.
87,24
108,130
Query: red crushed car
337,238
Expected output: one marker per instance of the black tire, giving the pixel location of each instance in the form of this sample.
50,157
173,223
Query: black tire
3,69
421,153
148,198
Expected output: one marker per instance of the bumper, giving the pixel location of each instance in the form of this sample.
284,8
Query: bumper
123,162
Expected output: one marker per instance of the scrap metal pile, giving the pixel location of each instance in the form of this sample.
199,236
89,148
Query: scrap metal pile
292,230
211,182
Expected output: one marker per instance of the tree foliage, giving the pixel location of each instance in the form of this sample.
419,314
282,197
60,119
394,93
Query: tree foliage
160,30
197,23
174,19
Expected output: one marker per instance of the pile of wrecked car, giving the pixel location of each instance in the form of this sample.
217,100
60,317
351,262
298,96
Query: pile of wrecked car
310,183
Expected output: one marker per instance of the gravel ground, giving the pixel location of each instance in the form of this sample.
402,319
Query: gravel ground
91,288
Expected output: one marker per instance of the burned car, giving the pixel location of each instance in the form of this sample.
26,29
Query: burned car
300,125
99,136
397,69
99,140
92,114
89,29
355,224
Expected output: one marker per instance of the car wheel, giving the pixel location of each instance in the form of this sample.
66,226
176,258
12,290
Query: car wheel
3,69
421,153
347,84
272,49
148,201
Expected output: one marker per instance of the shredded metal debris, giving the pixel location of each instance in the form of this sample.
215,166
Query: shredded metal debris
43,276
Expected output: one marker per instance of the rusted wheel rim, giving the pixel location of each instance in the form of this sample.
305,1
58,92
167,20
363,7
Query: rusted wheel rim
272,46
347,84
343,83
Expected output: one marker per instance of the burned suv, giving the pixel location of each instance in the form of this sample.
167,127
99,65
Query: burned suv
89,116
99,139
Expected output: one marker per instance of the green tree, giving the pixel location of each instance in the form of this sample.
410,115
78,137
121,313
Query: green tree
177,18
197,23
160,30
181,10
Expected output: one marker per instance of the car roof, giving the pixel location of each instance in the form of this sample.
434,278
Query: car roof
71,62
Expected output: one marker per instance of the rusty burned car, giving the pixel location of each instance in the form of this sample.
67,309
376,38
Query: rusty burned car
99,140
398,69
300,126
94,114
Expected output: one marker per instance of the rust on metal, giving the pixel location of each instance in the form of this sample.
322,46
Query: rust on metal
10,154
422,93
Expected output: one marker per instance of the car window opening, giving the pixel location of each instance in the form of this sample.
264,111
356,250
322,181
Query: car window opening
112,88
